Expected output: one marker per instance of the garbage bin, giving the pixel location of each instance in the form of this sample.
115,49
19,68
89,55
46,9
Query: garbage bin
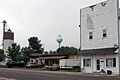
109,72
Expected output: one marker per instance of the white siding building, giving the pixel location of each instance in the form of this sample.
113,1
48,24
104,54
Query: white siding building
99,26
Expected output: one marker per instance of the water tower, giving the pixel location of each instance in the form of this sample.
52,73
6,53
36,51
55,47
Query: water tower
8,38
59,40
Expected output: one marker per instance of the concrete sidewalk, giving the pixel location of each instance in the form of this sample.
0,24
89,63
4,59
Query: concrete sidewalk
77,73
3,78
70,73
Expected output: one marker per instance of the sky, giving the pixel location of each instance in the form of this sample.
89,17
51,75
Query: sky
44,19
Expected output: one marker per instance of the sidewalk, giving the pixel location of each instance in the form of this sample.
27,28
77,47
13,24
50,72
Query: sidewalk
77,73
70,73
2,78
57,72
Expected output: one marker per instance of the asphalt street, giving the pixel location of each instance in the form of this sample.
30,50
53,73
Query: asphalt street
18,74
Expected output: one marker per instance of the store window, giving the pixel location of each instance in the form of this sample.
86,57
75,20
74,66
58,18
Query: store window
110,62
87,62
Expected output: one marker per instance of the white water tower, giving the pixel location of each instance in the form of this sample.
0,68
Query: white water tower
8,38
59,40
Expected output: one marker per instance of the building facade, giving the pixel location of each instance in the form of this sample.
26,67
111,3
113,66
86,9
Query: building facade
99,26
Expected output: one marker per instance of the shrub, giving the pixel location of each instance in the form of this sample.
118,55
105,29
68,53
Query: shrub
74,69
33,66
53,68
3,66
50,69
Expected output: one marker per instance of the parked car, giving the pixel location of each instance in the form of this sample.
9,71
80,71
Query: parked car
15,64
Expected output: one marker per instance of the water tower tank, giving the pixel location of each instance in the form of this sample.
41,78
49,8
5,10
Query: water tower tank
9,35
59,40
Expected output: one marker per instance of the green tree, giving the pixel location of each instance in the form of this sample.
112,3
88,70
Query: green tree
26,52
35,44
52,52
14,52
2,55
67,50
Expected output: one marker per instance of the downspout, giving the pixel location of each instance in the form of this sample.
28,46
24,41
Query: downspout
118,34
80,39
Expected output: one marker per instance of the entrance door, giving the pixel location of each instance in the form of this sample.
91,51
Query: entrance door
98,64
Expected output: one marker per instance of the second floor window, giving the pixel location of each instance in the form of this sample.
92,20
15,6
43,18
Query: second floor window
104,33
90,35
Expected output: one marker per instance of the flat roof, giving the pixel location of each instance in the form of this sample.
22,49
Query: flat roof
52,57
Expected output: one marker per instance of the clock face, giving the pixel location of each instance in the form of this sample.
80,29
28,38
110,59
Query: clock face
89,22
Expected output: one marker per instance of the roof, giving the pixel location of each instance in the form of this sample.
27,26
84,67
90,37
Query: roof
52,57
48,56
37,54
45,55
98,51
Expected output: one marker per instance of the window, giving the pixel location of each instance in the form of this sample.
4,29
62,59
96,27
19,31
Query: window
104,33
114,62
87,62
56,62
90,35
31,61
36,61
111,62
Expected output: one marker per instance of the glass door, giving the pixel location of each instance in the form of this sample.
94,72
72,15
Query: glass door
98,64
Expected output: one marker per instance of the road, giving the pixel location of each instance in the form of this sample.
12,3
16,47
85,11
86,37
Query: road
17,74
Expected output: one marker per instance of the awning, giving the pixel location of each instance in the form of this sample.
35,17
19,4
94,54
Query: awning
98,51
52,57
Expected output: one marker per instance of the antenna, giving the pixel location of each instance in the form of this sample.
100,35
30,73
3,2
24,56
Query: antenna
4,24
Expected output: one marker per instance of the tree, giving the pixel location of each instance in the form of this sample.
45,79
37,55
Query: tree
67,50
46,52
35,44
52,52
2,55
14,52
26,52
